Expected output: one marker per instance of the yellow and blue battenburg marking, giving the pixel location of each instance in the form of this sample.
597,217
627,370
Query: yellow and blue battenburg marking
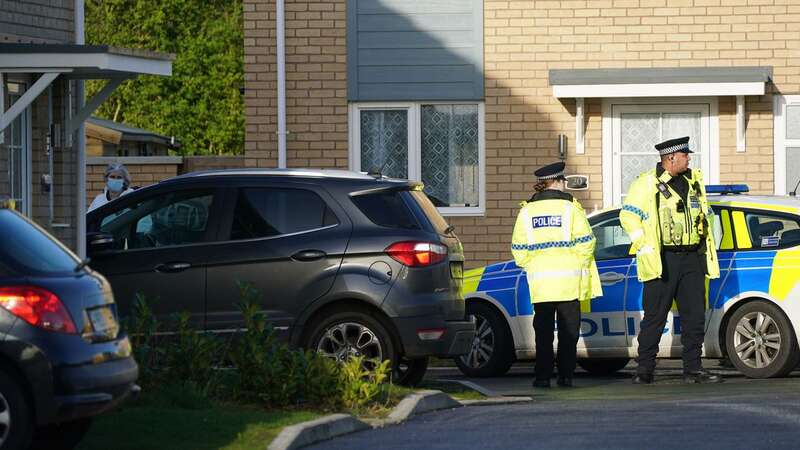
774,272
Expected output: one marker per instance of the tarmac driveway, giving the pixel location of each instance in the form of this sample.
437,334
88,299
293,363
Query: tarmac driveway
606,413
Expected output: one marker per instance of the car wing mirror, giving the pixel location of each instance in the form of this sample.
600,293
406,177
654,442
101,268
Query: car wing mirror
99,242
577,182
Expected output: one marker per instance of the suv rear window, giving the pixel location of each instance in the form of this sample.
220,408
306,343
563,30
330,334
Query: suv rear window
387,209
265,212
436,219
31,250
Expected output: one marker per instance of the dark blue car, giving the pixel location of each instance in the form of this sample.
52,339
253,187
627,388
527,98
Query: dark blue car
62,356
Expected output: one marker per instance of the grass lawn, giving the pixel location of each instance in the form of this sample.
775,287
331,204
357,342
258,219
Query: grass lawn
224,427
175,420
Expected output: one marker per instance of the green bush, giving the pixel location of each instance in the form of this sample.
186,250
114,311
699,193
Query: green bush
191,357
359,386
262,370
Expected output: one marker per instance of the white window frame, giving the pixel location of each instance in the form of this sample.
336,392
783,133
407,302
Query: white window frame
780,141
610,144
414,110
27,144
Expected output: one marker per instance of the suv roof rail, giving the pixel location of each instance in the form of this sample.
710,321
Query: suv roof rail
321,173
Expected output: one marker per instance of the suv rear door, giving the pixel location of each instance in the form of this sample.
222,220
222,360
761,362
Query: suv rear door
161,239
284,238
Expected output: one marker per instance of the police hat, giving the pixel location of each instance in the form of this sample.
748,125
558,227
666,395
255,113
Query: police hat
674,145
552,171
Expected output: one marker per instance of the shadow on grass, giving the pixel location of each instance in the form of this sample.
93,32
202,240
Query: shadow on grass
184,423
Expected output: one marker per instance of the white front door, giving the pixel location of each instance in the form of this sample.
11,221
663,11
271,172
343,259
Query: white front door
637,128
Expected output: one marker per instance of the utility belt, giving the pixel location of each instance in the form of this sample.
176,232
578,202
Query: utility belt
680,248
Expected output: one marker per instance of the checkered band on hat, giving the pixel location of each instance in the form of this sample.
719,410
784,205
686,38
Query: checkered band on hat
675,148
551,176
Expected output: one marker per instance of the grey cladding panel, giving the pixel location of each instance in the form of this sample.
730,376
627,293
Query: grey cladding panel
417,91
414,50
415,39
391,22
408,74
407,7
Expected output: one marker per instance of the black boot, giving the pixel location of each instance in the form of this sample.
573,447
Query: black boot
643,378
564,381
701,377
543,383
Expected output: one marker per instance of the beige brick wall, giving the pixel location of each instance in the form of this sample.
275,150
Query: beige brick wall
142,175
316,83
198,163
523,40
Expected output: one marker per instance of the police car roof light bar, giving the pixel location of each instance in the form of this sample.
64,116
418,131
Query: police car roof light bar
727,189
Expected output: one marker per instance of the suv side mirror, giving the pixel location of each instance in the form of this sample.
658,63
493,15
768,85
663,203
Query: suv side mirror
577,182
98,242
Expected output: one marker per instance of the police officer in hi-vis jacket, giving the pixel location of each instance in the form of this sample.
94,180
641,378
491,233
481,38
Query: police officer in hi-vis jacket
668,220
554,244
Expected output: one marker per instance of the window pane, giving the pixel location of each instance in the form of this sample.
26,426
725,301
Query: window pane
173,219
793,122
450,154
792,168
612,241
386,209
768,231
30,249
384,142
273,212
639,132
634,165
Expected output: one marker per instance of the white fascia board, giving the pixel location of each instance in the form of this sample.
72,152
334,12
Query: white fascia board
658,90
64,62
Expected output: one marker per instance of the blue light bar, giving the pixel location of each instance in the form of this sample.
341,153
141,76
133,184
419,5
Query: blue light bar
727,188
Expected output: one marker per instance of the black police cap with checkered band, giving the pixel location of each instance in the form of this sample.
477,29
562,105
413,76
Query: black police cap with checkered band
552,171
674,145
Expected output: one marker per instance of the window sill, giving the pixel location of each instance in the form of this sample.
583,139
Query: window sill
462,212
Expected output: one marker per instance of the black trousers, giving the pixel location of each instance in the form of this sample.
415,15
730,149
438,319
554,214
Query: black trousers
569,322
682,279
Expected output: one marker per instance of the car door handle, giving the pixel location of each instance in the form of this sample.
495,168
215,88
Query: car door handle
610,278
172,267
309,255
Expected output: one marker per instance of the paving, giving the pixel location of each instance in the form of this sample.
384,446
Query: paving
606,413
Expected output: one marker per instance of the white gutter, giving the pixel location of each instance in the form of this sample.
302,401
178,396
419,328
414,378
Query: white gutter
80,203
281,59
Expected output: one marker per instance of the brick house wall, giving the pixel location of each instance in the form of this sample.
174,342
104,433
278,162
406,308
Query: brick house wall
147,170
316,84
523,40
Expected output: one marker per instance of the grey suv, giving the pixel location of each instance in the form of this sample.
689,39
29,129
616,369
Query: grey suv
348,264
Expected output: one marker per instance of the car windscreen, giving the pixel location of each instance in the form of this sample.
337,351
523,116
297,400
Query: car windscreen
436,219
387,209
26,248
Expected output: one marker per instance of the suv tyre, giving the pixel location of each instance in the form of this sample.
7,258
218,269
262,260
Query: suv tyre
347,333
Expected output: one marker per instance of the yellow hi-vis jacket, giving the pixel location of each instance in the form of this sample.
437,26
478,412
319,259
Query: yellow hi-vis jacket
553,242
652,220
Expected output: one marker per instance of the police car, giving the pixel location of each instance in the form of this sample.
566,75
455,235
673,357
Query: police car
753,308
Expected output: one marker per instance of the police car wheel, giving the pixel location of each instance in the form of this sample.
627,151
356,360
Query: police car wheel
409,372
760,341
346,334
603,366
492,350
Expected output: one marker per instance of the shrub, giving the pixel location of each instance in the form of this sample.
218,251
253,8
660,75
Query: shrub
264,371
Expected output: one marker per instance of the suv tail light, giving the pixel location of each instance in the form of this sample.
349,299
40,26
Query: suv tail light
38,307
417,254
